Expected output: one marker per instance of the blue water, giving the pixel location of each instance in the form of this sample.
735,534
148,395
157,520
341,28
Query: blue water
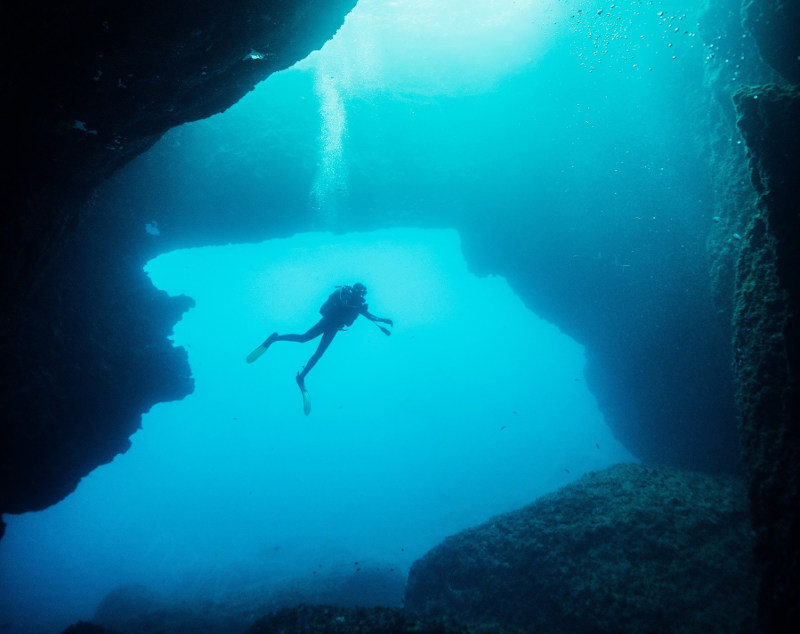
474,405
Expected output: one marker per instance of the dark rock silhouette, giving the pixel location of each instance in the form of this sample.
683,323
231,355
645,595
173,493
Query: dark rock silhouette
83,331
767,343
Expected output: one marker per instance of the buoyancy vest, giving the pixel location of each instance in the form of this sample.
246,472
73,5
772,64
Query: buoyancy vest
342,306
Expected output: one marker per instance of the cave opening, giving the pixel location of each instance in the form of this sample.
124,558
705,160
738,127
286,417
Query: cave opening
472,407
401,158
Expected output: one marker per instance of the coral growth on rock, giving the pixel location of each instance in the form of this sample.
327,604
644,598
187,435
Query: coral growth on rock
629,549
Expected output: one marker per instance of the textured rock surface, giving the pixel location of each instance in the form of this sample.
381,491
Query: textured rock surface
721,28
657,359
776,25
767,343
335,620
629,549
758,274
83,627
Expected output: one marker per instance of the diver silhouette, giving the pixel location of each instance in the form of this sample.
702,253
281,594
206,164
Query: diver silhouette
340,310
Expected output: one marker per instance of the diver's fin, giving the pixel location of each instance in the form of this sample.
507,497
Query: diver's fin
256,353
262,348
306,397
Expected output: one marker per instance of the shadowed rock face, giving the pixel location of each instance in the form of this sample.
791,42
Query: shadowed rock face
760,273
775,26
84,334
97,83
767,343
629,549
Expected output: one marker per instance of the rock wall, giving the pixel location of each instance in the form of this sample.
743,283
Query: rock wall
629,549
767,343
100,82
774,26
84,333
91,354
755,163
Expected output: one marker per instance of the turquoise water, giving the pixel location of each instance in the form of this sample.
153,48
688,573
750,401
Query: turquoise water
473,406
531,116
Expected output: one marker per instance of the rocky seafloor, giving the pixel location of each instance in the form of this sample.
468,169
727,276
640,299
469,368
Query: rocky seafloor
632,548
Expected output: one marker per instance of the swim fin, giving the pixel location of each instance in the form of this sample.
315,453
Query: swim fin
262,348
306,397
256,353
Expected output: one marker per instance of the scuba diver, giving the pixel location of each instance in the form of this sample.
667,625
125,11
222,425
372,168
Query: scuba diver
340,310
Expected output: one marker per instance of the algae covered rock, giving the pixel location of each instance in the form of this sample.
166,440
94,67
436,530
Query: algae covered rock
628,549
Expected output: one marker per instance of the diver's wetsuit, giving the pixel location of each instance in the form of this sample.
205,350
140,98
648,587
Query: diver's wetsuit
343,312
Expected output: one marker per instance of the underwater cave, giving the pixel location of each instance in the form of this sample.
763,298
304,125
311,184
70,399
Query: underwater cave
575,216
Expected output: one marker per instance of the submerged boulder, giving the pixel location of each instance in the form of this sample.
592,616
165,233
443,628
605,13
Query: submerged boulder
628,549
135,608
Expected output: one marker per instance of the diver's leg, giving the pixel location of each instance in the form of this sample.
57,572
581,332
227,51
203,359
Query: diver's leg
269,340
315,331
327,337
255,354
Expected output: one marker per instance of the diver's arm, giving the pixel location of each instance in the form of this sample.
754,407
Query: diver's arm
372,317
